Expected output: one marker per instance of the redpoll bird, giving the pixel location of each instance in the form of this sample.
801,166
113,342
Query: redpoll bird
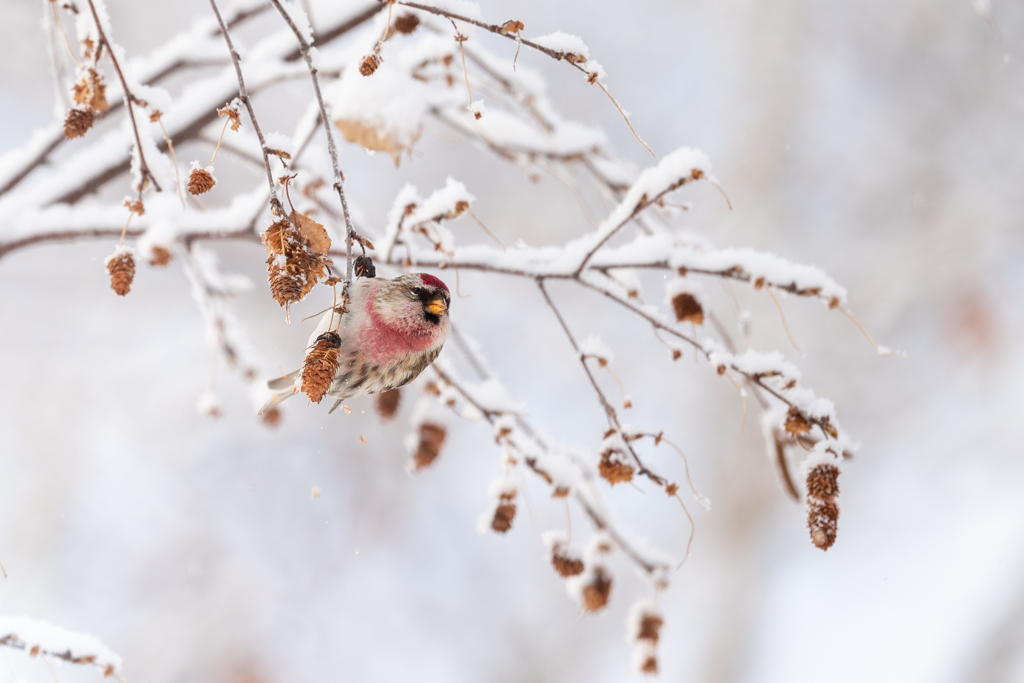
392,331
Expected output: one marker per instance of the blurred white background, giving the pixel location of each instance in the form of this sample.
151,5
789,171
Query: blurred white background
882,141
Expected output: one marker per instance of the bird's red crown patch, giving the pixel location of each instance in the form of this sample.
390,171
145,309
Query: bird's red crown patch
432,281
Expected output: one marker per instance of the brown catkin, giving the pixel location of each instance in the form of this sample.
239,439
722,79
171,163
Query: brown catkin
504,514
431,438
160,256
272,417
406,23
566,566
650,627
284,287
200,181
320,366
822,511
649,665
369,64
121,267
596,592
78,122
293,269
687,308
387,403
613,470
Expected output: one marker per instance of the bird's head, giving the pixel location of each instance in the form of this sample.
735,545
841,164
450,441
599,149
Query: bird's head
426,294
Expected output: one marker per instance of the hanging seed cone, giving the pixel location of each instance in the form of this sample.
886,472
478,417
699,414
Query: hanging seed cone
649,665
320,366
200,181
687,308
160,256
387,403
284,287
613,470
822,511
595,593
406,23
272,417
504,514
429,446
78,122
650,627
121,267
369,64
565,565
293,269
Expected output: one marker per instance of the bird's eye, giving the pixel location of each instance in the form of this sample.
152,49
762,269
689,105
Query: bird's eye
417,291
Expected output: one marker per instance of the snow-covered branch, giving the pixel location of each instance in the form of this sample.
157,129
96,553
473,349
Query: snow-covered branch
381,79
40,638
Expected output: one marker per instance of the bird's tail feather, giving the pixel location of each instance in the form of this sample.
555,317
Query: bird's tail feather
283,382
283,387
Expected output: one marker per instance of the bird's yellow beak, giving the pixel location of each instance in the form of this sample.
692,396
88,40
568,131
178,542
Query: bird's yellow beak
436,307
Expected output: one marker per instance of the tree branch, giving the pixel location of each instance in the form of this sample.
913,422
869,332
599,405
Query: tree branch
339,178
128,99
243,95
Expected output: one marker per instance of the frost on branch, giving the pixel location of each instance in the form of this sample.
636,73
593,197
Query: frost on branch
569,47
37,637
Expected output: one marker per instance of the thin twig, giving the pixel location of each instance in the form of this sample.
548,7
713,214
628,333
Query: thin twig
626,119
693,532
339,178
174,160
496,30
243,95
638,209
63,33
128,99
599,521
613,419
880,350
785,325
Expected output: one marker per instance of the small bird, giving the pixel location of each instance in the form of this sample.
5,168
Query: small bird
392,331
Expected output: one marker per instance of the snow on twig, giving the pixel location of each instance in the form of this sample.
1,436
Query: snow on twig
37,637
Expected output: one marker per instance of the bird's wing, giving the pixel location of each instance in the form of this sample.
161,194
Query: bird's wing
334,407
